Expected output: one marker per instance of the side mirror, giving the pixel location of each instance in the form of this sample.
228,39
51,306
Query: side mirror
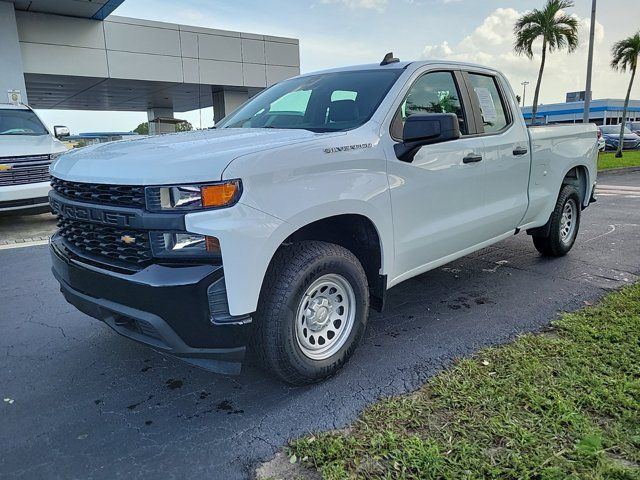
60,132
426,129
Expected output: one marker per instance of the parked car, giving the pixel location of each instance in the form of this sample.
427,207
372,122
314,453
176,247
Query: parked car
601,142
634,127
611,134
27,148
279,229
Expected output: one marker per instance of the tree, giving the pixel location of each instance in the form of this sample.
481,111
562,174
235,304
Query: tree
557,31
625,55
143,128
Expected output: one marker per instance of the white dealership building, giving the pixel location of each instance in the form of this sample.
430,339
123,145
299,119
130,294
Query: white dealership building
73,54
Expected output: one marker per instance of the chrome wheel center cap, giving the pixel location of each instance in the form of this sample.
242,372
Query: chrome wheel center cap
318,313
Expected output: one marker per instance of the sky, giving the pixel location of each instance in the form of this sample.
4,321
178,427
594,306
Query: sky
343,32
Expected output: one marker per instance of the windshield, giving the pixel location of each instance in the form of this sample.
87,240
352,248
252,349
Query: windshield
20,122
614,130
328,102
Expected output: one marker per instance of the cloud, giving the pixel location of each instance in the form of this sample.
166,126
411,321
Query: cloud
378,5
491,43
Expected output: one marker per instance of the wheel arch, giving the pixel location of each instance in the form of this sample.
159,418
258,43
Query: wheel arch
578,177
358,234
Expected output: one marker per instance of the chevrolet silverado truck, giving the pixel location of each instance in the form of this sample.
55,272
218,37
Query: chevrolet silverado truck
277,231
27,149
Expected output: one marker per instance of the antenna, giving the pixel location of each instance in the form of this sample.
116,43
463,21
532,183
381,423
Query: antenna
389,58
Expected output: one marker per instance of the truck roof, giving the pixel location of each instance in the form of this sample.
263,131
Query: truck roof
398,66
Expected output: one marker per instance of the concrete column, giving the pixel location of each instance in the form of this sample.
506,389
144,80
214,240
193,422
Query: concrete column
226,101
157,127
11,73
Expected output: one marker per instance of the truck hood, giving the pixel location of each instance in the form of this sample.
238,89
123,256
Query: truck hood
199,156
21,145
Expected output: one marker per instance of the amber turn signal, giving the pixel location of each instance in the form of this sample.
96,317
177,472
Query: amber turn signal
212,244
221,194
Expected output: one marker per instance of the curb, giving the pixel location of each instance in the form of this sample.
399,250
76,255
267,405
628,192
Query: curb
24,242
619,171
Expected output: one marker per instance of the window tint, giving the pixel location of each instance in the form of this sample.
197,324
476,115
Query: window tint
434,92
493,112
20,122
320,103
294,102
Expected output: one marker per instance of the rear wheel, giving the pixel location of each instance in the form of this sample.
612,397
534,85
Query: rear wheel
563,225
312,312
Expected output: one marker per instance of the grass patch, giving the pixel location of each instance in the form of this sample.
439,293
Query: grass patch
558,405
608,161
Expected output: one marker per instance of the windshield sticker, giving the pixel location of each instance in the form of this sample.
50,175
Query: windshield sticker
488,107
347,148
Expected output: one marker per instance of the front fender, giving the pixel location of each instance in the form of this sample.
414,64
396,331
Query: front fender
249,238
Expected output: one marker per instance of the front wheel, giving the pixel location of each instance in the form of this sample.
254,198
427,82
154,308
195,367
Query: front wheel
312,311
563,225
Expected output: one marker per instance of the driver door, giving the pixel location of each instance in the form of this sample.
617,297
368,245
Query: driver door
438,198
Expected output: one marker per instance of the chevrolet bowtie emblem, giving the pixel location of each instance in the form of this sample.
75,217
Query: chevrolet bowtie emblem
128,239
4,168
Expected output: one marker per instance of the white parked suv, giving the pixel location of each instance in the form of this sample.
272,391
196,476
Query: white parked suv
27,149
278,230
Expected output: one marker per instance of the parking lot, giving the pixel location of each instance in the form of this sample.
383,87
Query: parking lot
87,403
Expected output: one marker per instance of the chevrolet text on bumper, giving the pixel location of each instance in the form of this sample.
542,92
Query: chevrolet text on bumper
277,231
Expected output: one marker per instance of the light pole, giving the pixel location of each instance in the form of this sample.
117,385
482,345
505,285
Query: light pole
524,90
587,93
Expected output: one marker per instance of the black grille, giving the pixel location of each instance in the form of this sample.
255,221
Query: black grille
122,195
25,169
104,241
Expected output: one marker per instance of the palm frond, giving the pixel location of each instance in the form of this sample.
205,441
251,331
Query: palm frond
557,29
625,53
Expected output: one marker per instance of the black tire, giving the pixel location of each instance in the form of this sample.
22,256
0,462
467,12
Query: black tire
292,271
553,245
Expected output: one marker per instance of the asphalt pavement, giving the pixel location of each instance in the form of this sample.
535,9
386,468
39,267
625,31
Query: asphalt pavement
79,401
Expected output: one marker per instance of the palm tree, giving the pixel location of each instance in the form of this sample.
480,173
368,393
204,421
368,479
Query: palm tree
556,29
625,56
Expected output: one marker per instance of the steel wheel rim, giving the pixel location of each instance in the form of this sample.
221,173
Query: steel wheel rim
568,221
325,316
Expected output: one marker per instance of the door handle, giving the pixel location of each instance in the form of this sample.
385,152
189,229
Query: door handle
472,158
520,151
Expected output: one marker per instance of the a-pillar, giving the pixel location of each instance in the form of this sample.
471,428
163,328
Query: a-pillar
226,101
160,121
11,72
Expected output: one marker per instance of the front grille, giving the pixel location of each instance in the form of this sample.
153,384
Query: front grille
25,169
107,242
122,195
629,144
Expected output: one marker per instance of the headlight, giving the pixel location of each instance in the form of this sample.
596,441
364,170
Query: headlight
184,245
193,197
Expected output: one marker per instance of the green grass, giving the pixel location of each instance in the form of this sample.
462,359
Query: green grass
564,404
608,161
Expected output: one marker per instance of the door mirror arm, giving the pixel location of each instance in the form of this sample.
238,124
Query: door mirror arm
426,129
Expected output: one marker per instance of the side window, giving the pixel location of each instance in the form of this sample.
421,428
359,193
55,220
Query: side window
434,92
494,114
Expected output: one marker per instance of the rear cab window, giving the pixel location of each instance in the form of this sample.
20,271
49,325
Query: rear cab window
495,115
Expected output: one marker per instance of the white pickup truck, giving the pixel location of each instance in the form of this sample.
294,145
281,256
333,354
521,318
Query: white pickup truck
27,149
278,230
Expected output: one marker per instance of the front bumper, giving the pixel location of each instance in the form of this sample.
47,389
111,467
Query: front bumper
176,310
19,198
